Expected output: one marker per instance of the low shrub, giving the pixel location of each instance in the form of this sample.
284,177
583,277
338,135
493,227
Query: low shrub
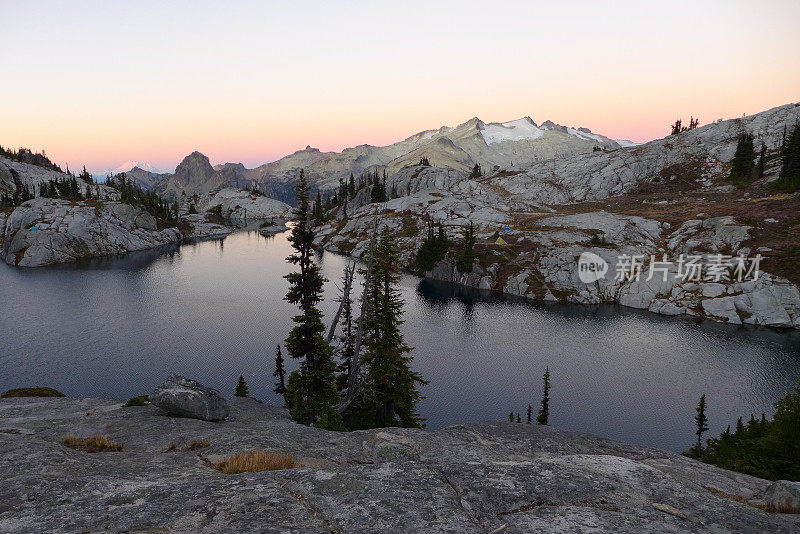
31,392
255,461
96,443
140,400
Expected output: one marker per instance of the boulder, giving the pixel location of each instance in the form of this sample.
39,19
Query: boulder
240,206
181,396
784,496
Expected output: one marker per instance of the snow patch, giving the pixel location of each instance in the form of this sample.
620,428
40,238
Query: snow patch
624,143
518,130
585,136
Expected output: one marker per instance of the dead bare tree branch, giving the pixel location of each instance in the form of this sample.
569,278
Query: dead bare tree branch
349,270
352,379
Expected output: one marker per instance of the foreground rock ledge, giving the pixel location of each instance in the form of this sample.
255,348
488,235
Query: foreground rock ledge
466,478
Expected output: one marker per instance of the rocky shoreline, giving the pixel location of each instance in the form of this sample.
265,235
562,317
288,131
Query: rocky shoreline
662,200
45,231
542,264
477,477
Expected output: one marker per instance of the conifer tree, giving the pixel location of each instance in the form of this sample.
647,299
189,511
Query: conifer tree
241,388
351,187
311,391
280,375
476,171
86,176
519,419
762,160
510,417
467,258
544,411
743,160
701,421
319,215
347,339
388,393
530,414
433,248
378,192
789,177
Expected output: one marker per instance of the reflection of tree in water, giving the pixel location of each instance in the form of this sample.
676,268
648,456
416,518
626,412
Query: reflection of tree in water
438,295
130,261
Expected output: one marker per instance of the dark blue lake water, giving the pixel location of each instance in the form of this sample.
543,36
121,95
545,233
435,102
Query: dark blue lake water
215,310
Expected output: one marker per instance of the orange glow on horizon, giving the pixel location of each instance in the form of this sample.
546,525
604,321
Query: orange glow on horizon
100,84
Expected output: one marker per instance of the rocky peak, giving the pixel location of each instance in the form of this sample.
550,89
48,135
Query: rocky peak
195,166
550,125
474,123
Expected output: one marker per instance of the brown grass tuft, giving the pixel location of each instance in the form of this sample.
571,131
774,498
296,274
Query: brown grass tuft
96,443
759,505
198,444
255,461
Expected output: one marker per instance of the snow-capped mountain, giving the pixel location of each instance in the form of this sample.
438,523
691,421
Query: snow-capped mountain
514,144
126,167
518,130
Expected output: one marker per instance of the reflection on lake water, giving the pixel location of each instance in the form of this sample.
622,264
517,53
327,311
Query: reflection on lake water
214,310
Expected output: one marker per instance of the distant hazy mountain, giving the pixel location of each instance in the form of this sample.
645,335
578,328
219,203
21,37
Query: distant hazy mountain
125,167
509,145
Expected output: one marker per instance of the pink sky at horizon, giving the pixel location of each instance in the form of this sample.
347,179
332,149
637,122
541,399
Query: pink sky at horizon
102,83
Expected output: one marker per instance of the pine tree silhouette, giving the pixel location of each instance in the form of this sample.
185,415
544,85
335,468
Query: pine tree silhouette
544,411
241,388
701,421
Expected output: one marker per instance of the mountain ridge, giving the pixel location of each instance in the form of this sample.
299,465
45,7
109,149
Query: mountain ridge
493,144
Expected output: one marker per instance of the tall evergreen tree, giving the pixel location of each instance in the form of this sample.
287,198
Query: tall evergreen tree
701,421
762,161
311,391
378,192
530,414
433,248
743,160
347,339
280,375
319,213
388,393
241,388
544,411
351,187
467,258
789,177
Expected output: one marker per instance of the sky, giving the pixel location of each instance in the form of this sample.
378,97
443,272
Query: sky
100,83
